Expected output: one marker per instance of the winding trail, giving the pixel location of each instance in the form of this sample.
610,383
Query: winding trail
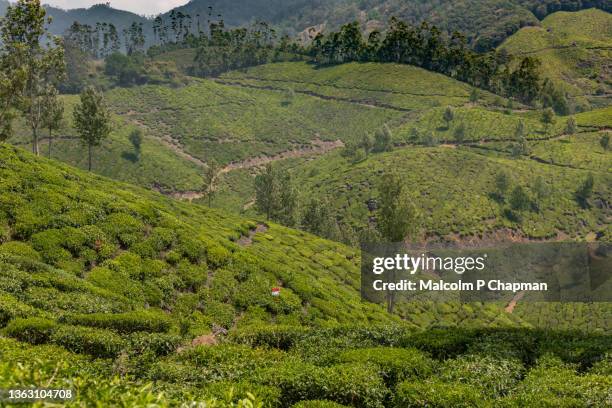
318,147
512,304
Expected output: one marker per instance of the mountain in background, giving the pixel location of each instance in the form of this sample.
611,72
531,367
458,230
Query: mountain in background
486,23
63,19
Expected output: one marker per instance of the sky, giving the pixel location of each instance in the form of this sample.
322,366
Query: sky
147,7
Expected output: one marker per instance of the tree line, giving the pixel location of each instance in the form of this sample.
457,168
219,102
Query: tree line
428,47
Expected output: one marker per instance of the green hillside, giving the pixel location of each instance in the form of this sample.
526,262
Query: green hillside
300,116
238,117
574,49
158,166
454,188
107,284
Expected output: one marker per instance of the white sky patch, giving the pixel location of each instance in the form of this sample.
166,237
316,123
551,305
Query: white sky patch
143,7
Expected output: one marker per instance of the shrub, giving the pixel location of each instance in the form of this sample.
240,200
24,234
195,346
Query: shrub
160,344
217,255
355,384
123,228
232,392
603,366
127,263
11,308
86,340
49,244
33,330
494,376
232,362
19,249
219,313
437,394
192,276
552,383
280,337
574,347
116,282
130,322
439,343
394,364
191,248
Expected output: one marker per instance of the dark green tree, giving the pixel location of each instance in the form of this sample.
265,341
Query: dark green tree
605,141
460,133
266,192
524,82
519,199
397,217
520,131
571,127
383,140
276,196
366,143
136,138
548,118
474,95
448,116
92,120
585,191
502,185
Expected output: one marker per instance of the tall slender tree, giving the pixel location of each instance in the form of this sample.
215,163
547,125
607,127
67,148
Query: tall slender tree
53,113
92,120
211,180
36,53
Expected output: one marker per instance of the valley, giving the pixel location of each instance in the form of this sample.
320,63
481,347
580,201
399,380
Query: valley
212,254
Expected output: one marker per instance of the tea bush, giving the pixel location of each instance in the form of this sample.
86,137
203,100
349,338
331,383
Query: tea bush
553,383
33,330
142,320
85,340
357,385
11,308
493,376
20,249
394,364
437,394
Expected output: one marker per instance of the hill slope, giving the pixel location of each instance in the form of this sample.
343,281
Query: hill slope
574,49
107,285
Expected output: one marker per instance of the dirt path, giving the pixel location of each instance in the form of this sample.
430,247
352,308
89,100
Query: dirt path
247,240
318,147
173,145
514,301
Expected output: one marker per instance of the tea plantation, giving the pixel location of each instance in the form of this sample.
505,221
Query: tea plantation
574,49
105,287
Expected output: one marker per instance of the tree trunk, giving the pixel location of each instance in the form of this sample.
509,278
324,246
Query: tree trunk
90,147
35,141
50,136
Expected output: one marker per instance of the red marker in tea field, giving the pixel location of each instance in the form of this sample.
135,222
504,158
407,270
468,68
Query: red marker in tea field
275,292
